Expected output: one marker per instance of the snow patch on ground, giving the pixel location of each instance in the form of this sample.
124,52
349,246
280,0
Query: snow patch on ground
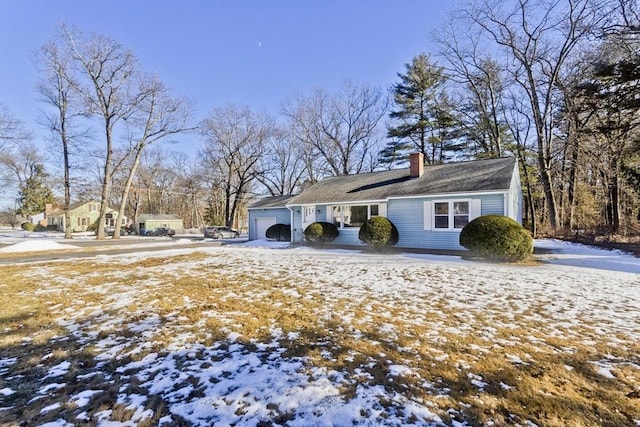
577,255
35,246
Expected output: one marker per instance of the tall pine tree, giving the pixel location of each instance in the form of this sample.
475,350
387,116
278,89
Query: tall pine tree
34,193
423,118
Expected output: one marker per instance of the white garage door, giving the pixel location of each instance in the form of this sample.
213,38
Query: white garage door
261,227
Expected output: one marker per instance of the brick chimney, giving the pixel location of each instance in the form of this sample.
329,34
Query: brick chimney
416,165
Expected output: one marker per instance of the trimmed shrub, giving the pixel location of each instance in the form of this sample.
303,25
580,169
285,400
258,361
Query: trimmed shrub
279,232
378,231
321,232
497,237
28,226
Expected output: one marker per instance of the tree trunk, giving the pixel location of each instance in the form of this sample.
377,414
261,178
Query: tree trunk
571,196
106,183
527,182
68,228
543,151
227,205
613,188
125,191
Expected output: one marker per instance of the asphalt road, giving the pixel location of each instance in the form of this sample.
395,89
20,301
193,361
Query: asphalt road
110,247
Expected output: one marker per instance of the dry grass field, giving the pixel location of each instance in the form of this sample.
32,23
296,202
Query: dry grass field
267,336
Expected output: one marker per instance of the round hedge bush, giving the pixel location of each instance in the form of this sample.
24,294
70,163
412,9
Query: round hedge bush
497,237
28,226
279,232
321,232
378,231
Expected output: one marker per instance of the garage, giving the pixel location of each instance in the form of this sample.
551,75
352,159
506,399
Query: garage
261,227
267,212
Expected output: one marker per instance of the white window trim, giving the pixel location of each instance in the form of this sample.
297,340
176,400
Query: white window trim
430,213
382,211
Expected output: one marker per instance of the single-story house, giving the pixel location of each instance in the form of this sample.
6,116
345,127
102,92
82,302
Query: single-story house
429,205
83,215
149,221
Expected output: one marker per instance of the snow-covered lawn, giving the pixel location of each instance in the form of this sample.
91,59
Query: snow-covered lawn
261,336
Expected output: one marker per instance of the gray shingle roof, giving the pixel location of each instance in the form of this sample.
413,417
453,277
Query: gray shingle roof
461,177
271,202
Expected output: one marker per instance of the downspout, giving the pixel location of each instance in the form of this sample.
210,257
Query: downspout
505,201
291,229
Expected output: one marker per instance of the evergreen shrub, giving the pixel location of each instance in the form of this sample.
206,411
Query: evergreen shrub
321,232
27,226
497,237
279,232
378,231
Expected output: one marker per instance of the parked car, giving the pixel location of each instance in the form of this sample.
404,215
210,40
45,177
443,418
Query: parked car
160,231
109,231
220,232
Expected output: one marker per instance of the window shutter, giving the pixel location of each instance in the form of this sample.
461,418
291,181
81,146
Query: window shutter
475,209
427,216
382,209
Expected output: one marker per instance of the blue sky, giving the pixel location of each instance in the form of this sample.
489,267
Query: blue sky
254,53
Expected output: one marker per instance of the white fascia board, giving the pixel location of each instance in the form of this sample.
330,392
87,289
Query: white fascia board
449,195
358,202
264,209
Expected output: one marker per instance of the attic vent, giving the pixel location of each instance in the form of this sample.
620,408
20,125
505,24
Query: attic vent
416,165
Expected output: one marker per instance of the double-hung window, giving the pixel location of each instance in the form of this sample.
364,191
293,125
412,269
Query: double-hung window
448,214
460,214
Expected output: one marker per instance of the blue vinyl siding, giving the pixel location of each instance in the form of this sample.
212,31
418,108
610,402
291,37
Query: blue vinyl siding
281,216
492,204
321,216
348,236
408,217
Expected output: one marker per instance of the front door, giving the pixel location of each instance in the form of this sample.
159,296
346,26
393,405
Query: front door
308,216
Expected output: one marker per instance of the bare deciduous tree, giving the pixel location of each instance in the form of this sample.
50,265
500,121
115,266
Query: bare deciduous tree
11,129
282,166
538,38
105,73
235,141
56,87
157,115
339,129
12,136
482,86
